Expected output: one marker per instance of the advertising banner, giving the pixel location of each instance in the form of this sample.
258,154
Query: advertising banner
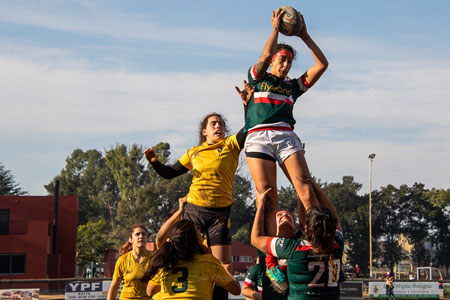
351,289
19,294
87,289
406,289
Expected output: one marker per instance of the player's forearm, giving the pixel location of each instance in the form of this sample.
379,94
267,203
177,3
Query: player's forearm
324,201
258,239
161,236
317,53
249,293
269,50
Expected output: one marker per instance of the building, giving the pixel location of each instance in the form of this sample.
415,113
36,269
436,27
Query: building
242,256
31,247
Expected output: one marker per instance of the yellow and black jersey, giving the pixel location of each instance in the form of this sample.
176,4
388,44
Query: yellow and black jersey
131,272
213,168
193,279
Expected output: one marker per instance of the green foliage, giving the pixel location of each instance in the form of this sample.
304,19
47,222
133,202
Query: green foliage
116,189
8,186
92,242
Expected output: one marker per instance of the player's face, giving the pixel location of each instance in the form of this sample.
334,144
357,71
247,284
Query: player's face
138,237
215,130
281,64
284,218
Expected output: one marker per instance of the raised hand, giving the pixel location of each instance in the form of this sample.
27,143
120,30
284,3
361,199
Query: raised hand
150,155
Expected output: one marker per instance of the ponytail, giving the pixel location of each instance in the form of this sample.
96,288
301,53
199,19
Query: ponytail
320,230
127,247
181,244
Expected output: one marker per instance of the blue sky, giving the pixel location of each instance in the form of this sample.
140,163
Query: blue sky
91,74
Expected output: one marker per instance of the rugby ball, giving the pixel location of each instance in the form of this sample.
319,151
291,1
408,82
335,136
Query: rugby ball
291,22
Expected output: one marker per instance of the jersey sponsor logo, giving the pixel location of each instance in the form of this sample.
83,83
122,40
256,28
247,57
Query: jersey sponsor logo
280,243
267,87
220,149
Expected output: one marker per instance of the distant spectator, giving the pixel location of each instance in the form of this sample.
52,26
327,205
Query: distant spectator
390,285
356,271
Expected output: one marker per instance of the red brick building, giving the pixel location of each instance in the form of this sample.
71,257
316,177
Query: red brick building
29,249
242,256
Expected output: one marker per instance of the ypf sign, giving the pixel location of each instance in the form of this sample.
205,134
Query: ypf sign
87,289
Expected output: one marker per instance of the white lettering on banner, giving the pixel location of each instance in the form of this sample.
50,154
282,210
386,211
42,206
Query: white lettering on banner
88,290
405,289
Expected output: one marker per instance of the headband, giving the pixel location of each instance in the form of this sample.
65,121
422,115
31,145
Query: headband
282,52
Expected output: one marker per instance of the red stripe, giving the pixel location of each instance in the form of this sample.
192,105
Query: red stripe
271,101
303,248
248,284
271,128
255,76
268,242
305,83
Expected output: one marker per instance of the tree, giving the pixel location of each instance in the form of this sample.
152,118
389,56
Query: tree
243,209
92,241
387,226
8,186
86,176
440,218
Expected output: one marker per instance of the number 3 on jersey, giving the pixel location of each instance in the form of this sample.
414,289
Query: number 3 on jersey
182,279
334,267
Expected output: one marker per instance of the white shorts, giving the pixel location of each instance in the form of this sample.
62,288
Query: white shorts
274,145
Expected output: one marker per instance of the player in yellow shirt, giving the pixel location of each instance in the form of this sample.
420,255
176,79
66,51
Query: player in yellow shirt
213,163
131,267
183,269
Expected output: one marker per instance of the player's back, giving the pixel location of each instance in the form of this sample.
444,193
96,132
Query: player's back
314,276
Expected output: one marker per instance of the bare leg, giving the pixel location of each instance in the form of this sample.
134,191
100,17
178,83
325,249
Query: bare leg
301,212
297,169
264,175
223,254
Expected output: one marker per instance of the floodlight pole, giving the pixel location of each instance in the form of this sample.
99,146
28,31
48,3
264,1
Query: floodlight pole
371,157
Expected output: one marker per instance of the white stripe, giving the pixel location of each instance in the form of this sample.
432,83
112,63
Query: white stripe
273,247
249,281
270,95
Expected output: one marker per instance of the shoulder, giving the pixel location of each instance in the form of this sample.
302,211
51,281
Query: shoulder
123,258
231,141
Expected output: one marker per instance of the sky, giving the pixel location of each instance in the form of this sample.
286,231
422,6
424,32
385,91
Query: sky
93,74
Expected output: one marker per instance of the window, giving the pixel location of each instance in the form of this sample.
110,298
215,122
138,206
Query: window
4,221
12,263
246,258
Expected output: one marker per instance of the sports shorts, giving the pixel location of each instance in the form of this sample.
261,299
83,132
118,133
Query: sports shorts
214,223
272,144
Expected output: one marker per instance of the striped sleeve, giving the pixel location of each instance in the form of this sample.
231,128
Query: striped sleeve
281,247
252,277
304,85
252,76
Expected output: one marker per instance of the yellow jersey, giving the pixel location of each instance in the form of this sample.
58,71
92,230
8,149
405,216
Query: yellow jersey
193,279
213,168
128,269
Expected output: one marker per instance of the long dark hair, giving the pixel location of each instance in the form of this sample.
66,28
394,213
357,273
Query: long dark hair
320,230
181,244
204,123
128,246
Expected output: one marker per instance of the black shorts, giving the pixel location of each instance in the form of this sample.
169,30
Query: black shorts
214,223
